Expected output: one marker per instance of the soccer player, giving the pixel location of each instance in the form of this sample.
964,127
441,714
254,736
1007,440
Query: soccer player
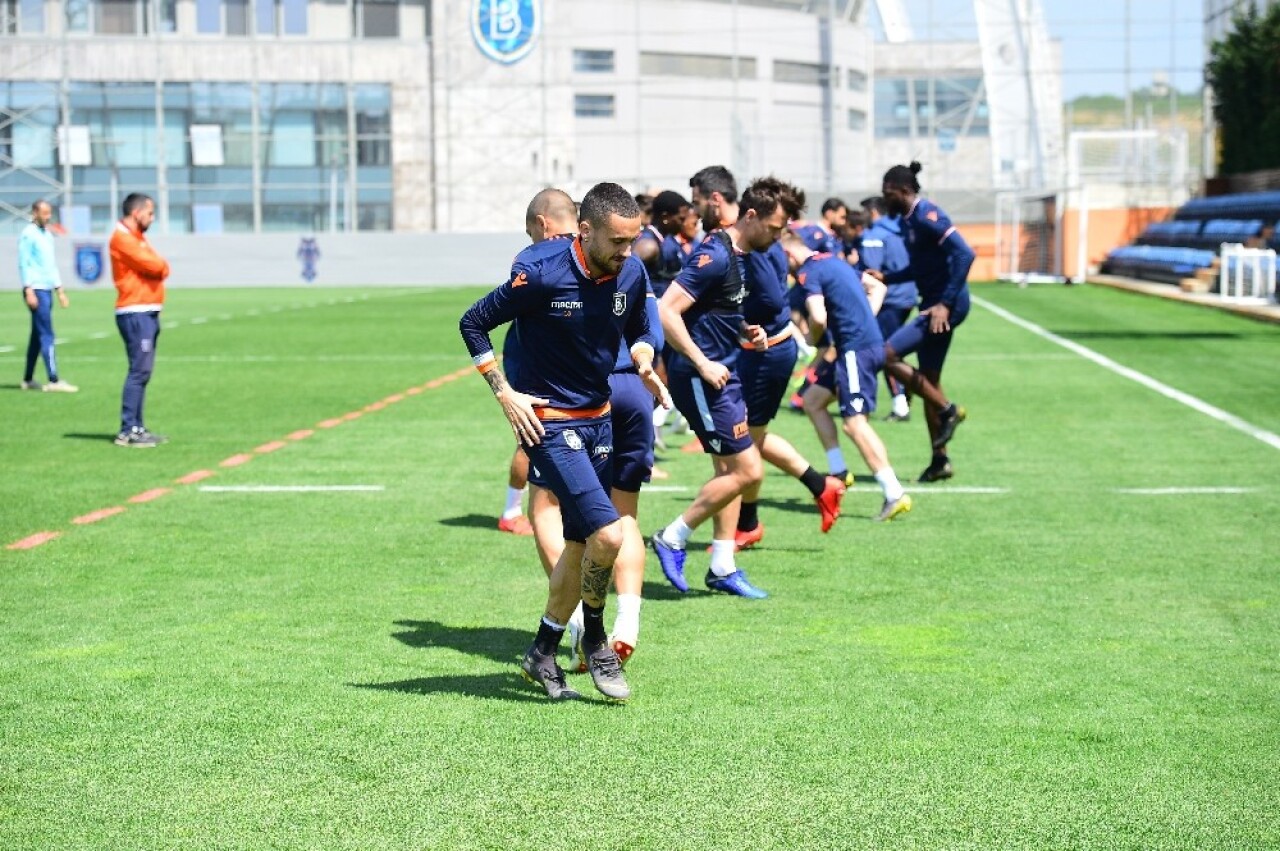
572,311
882,248
765,372
39,278
139,275
822,236
551,215
657,246
940,262
702,317
836,300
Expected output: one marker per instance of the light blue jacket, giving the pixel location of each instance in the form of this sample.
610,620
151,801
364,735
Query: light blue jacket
36,266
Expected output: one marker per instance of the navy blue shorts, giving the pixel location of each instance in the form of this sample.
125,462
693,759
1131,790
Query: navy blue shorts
575,462
632,417
856,380
930,348
718,417
890,319
796,300
766,378
824,375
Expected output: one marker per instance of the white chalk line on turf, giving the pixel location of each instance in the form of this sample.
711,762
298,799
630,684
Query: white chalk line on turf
288,488
665,488
957,489
1267,437
1182,491
224,317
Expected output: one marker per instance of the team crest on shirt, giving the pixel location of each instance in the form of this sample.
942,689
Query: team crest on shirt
572,440
703,260
932,215
619,304
505,30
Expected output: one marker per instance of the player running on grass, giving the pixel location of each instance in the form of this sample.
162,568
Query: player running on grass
702,317
572,311
940,262
836,300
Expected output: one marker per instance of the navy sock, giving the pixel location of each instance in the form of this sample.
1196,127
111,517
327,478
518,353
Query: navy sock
748,516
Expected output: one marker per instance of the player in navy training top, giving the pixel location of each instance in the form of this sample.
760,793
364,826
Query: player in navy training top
668,214
572,311
765,371
882,248
940,262
836,301
550,216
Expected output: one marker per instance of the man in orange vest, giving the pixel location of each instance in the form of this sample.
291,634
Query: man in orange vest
139,275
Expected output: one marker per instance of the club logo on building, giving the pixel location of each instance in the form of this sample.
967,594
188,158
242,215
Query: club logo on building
619,304
505,30
308,253
88,261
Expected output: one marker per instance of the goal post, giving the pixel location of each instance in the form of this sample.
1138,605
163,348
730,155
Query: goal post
1041,236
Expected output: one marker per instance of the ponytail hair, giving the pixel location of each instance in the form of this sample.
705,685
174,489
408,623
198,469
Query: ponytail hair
904,175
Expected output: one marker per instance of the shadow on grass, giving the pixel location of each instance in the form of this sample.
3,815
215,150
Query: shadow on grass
472,521
499,643
75,435
497,686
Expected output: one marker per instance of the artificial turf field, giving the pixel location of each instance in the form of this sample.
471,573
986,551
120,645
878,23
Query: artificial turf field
1051,663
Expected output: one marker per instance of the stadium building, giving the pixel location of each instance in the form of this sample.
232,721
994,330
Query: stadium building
260,116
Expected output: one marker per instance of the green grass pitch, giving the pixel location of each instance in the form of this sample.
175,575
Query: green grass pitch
1056,663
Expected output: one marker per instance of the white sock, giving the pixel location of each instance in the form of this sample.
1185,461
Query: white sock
835,461
677,534
575,619
515,503
660,415
889,483
722,558
626,626
900,406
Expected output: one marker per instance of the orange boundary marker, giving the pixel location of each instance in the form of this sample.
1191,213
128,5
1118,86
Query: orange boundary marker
38,538
33,540
147,496
95,516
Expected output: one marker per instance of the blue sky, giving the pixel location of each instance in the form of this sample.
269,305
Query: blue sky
1165,38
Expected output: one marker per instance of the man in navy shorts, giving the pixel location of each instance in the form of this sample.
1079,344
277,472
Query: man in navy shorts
572,311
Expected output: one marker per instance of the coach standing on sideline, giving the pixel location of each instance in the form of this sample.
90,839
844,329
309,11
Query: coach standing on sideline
139,275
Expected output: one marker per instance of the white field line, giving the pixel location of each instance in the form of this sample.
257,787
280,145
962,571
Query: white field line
1267,437
1182,491
665,489
202,320
288,488
960,489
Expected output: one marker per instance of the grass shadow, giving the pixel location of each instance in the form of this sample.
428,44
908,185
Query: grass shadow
471,521
75,435
496,686
498,643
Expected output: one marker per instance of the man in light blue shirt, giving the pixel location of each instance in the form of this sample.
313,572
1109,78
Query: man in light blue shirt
39,276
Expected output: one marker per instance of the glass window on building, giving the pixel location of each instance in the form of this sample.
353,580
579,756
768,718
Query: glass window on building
377,18
264,17
857,120
593,61
77,13
120,17
373,125
167,16
593,106
696,65
21,16
920,107
237,17
803,73
209,17
295,17
857,81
